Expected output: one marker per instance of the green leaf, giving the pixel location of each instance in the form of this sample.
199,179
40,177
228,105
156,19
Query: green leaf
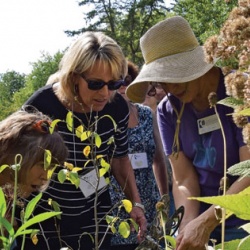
36,219
244,112
74,178
171,240
62,175
53,125
56,208
124,229
135,225
231,102
31,206
98,140
239,203
3,206
4,222
233,245
79,131
127,204
47,159
69,121
85,135
3,167
240,169
110,117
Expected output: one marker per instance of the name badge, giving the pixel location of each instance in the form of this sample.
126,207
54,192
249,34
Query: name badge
138,160
208,124
88,183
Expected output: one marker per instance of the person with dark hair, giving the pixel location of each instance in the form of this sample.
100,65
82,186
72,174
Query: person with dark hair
83,95
25,137
148,161
190,130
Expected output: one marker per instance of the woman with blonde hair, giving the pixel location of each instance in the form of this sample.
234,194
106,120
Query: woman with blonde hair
90,72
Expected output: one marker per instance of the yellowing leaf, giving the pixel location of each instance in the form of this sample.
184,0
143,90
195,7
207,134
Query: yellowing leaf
124,229
68,165
98,140
69,121
85,135
34,239
53,124
127,205
79,131
3,167
86,151
47,159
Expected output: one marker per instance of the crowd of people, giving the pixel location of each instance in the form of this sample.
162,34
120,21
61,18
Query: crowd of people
129,132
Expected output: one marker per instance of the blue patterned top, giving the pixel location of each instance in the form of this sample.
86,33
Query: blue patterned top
140,139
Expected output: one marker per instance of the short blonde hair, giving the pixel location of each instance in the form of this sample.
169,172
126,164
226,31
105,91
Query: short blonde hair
81,56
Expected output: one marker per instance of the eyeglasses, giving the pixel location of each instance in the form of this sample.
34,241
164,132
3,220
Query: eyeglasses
99,84
152,91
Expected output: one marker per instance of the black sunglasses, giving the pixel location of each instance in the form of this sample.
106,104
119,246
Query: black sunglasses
99,84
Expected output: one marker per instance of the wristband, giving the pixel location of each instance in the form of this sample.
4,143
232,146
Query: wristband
136,204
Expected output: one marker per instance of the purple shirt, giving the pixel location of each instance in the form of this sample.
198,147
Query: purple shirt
205,151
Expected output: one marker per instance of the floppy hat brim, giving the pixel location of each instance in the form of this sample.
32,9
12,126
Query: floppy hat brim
177,68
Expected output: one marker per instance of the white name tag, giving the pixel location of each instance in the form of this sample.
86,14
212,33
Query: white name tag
88,183
138,160
208,124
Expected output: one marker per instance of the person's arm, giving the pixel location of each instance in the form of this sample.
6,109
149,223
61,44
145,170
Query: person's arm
124,174
159,161
185,184
196,233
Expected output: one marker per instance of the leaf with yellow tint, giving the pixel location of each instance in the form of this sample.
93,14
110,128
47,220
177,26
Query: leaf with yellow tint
69,121
127,205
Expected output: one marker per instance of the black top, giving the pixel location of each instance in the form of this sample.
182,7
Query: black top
78,211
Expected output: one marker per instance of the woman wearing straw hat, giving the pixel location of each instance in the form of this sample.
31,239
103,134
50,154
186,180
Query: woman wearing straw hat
189,128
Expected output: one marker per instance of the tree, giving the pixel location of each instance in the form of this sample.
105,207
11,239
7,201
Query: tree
206,17
10,83
15,88
125,21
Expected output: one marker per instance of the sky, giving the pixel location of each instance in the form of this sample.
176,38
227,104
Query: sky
30,27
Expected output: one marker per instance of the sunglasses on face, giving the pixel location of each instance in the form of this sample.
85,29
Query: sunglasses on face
99,84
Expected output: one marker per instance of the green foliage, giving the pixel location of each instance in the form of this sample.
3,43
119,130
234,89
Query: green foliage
10,83
206,17
124,21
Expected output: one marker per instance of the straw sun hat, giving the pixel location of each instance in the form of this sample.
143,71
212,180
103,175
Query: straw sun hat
171,53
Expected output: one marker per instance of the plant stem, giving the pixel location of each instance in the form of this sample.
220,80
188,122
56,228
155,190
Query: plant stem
225,179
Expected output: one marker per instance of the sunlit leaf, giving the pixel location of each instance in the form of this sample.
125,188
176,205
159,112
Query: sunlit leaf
79,131
98,140
68,165
124,229
51,171
3,206
232,245
239,203
36,219
107,180
244,112
47,159
6,224
171,240
56,207
31,206
74,178
110,219
62,175
127,204
3,167
231,102
69,121
85,135
86,151
111,140
53,125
